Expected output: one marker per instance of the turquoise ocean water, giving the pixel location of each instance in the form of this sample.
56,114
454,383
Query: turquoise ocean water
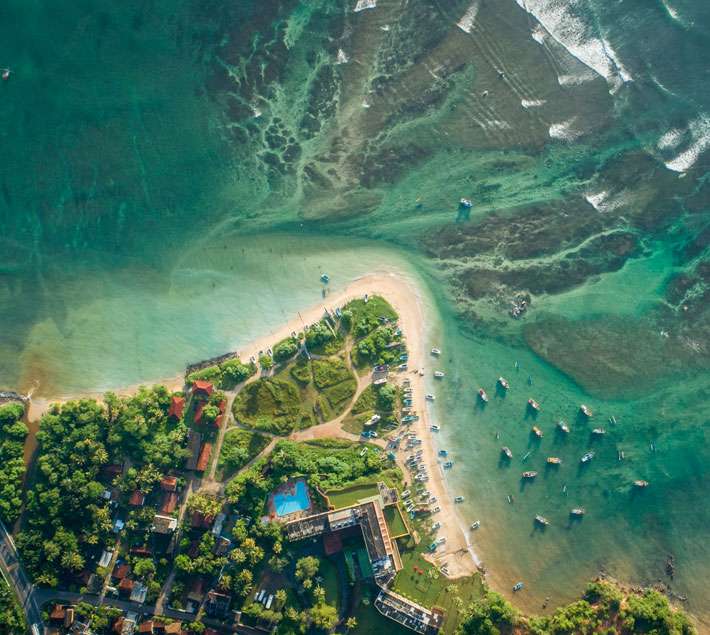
176,176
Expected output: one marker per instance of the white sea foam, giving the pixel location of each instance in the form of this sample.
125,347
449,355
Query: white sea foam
365,4
565,130
576,80
670,139
673,13
342,57
699,141
532,103
603,201
468,19
562,23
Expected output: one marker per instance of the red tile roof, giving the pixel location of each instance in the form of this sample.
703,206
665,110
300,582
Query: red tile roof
168,483
202,386
177,406
137,499
146,627
200,521
169,504
126,585
198,411
218,421
204,459
121,571
58,612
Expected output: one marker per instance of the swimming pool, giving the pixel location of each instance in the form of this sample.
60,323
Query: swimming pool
293,498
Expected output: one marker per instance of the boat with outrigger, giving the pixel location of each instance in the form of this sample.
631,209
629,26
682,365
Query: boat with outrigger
533,405
429,397
506,452
537,432
503,383
542,521
482,395
529,475
554,460
577,512
586,411
562,426
586,457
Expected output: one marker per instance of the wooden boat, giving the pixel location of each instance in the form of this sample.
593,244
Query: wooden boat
640,484
554,460
435,351
562,426
541,520
503,383
459,499
534,405
439,374
587,457
537,432
518,586
475,524
529,475
506,451
586,411
599,431
577,511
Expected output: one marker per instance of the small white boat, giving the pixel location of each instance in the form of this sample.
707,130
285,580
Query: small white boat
459,499
503,383
435,351
439,374
506,451
541,520
577,511
534,405
429,397
325,278
6,74
518,586
587,457
599,431
435,428
465,203
475,524
587,412
482,395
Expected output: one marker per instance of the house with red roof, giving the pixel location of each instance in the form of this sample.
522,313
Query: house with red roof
137,499
168,483
204,458
202,388
177,407
169,503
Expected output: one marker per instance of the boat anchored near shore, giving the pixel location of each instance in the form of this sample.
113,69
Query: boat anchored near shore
586,411
533,405
503,383
482,395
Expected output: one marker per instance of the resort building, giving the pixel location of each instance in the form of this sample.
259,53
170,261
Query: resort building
384,558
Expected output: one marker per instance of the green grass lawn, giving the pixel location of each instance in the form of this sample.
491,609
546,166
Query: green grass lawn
395,522
329,572
351,495
273,405
370,621
432,588
372,310
238,448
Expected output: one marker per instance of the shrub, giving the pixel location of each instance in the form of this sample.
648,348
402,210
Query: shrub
285,349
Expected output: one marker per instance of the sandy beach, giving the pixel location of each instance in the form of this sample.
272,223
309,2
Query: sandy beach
407,300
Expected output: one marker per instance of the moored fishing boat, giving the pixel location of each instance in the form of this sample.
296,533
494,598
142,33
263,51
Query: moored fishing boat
518,586
436,351
506,451
325,278
541,520
588,456
529,475
429,397
586,411
439,374
482,395
475,524
459,499
562,426
599,432
640,484
554,460
537,432
534,405
577,511
503,383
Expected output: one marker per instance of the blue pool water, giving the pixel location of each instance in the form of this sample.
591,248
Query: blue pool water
288,503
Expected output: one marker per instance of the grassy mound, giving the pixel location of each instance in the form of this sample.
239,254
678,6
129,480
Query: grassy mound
272,405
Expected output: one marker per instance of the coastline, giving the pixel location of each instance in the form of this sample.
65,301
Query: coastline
406,299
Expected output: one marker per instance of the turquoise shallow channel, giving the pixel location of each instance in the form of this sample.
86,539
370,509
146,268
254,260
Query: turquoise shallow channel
177,175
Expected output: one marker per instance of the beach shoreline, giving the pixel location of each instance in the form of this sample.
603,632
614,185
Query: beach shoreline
406,299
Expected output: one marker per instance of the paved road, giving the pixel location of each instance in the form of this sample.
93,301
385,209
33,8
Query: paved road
17,578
